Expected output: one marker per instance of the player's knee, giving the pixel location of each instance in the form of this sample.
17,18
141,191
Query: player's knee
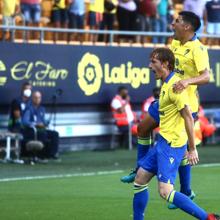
141,177
164,192
143,130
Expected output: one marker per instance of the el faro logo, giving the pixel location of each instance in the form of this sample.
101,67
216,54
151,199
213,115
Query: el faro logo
3,79
91,74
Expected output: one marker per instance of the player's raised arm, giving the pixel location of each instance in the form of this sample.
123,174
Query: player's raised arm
189,124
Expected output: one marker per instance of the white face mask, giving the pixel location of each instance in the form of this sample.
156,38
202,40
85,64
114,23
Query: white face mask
27,93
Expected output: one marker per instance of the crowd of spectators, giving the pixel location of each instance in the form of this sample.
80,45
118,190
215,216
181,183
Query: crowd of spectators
124,15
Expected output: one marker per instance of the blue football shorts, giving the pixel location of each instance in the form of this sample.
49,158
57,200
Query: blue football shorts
163,160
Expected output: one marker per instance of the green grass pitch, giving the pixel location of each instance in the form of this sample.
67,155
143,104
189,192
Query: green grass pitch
96,197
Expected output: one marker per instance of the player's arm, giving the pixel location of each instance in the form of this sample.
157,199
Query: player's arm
189,126
202,79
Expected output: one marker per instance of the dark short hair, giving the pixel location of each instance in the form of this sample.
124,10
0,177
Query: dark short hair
164,55
26,84
192,19
120,88
156,92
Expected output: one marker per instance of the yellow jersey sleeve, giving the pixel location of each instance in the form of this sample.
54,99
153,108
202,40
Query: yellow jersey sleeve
201,58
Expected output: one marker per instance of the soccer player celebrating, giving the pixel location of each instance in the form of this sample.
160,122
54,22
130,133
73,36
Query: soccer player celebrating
192,66
176,127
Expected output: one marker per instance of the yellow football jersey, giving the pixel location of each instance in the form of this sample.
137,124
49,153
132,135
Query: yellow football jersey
9,7
96,6
59,4
190,59
172,126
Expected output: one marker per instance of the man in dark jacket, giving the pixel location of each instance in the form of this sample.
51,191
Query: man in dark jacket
34,116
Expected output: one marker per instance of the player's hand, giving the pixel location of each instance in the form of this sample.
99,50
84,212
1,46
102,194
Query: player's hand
40,125
193,157
179,86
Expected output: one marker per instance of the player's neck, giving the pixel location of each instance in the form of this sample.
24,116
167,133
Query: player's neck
187,37
165,75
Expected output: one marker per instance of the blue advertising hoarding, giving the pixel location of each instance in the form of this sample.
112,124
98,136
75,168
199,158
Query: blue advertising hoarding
85,74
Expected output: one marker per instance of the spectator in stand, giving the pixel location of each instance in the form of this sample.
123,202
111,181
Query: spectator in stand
59,17
9,10
212,19
35,116
95,16
122,111
31,9
147,12
126,15
76,13
198,7
18,107
207,128
161,24
108,17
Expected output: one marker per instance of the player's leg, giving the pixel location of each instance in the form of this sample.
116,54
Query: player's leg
185,174
144,141
168,160
185,181
185,177
181,201
147,170
141,196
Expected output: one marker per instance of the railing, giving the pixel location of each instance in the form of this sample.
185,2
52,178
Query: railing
111,34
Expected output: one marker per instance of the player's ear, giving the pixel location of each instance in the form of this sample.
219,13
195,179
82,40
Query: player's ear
187,27
165,64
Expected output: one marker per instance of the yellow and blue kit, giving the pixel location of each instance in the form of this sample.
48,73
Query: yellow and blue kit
165,157
190,59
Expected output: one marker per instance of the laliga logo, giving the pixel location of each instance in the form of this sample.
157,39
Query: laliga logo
90,74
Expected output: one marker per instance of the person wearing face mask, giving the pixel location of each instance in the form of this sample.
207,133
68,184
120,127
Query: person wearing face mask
18,107
122,111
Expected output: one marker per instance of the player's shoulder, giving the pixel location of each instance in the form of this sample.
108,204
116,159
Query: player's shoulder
175,78
174,43
197,45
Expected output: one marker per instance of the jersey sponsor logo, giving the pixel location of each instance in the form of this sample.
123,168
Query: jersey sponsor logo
171,159
176,70
186,52
177,62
